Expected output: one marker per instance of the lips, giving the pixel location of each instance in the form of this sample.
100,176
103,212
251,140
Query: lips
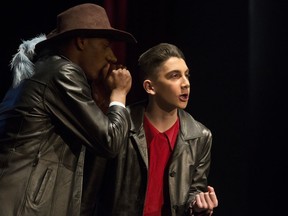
184,97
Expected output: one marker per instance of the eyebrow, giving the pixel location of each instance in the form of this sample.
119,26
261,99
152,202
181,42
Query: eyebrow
178,71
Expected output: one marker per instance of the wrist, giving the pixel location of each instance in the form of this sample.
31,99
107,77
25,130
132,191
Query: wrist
112,103
121,98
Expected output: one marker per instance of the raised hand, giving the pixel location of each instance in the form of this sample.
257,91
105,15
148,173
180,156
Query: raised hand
205,202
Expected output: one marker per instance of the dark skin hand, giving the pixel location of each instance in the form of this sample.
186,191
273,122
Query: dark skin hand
100,90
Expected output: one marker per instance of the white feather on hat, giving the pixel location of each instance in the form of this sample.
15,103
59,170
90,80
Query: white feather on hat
22,64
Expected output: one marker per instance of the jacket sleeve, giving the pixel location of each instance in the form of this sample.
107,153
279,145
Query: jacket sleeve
200,178
68,99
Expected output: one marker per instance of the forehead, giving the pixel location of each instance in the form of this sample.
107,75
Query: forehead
173,64
98,41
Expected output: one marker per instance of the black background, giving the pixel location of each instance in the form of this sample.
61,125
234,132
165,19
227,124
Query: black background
237,54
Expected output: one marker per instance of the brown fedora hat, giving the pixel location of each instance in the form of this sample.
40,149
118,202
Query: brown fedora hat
86,20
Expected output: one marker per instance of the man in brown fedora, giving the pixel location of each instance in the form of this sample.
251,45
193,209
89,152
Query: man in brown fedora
49,117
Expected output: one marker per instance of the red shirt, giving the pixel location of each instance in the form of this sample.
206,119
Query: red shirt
160,147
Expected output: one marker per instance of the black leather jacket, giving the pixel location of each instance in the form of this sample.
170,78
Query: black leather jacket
44,125
125,181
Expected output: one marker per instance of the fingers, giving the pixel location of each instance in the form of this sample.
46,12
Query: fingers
107,70
120,83
206,201
121,78
113,84
212,196
116,77
119,66
210,189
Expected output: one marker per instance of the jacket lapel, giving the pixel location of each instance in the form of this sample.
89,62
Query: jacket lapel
137,130
189,130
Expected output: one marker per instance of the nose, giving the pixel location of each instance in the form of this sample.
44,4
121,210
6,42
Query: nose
111,58
185,83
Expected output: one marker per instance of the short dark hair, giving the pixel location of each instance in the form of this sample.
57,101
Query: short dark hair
151,59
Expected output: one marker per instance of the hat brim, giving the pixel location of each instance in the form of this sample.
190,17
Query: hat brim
111,34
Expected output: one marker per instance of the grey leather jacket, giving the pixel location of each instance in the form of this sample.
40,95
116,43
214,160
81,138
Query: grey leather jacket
125,181
46,125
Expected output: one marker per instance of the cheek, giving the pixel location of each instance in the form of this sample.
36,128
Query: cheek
92,70
165,91
167,88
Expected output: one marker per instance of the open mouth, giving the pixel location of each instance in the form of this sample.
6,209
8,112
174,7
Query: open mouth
184,97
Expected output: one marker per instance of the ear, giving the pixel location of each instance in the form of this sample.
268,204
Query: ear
148,87
80,42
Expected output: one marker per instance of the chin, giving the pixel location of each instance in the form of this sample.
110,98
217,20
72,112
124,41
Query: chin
182,106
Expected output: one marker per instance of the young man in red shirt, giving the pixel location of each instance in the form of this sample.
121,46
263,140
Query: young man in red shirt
164,168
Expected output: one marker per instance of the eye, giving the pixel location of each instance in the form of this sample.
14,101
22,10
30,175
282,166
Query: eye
175,75
108,45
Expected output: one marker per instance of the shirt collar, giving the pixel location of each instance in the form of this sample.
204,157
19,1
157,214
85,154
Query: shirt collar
171,133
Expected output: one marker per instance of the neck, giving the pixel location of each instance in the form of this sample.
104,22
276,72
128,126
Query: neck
161,119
